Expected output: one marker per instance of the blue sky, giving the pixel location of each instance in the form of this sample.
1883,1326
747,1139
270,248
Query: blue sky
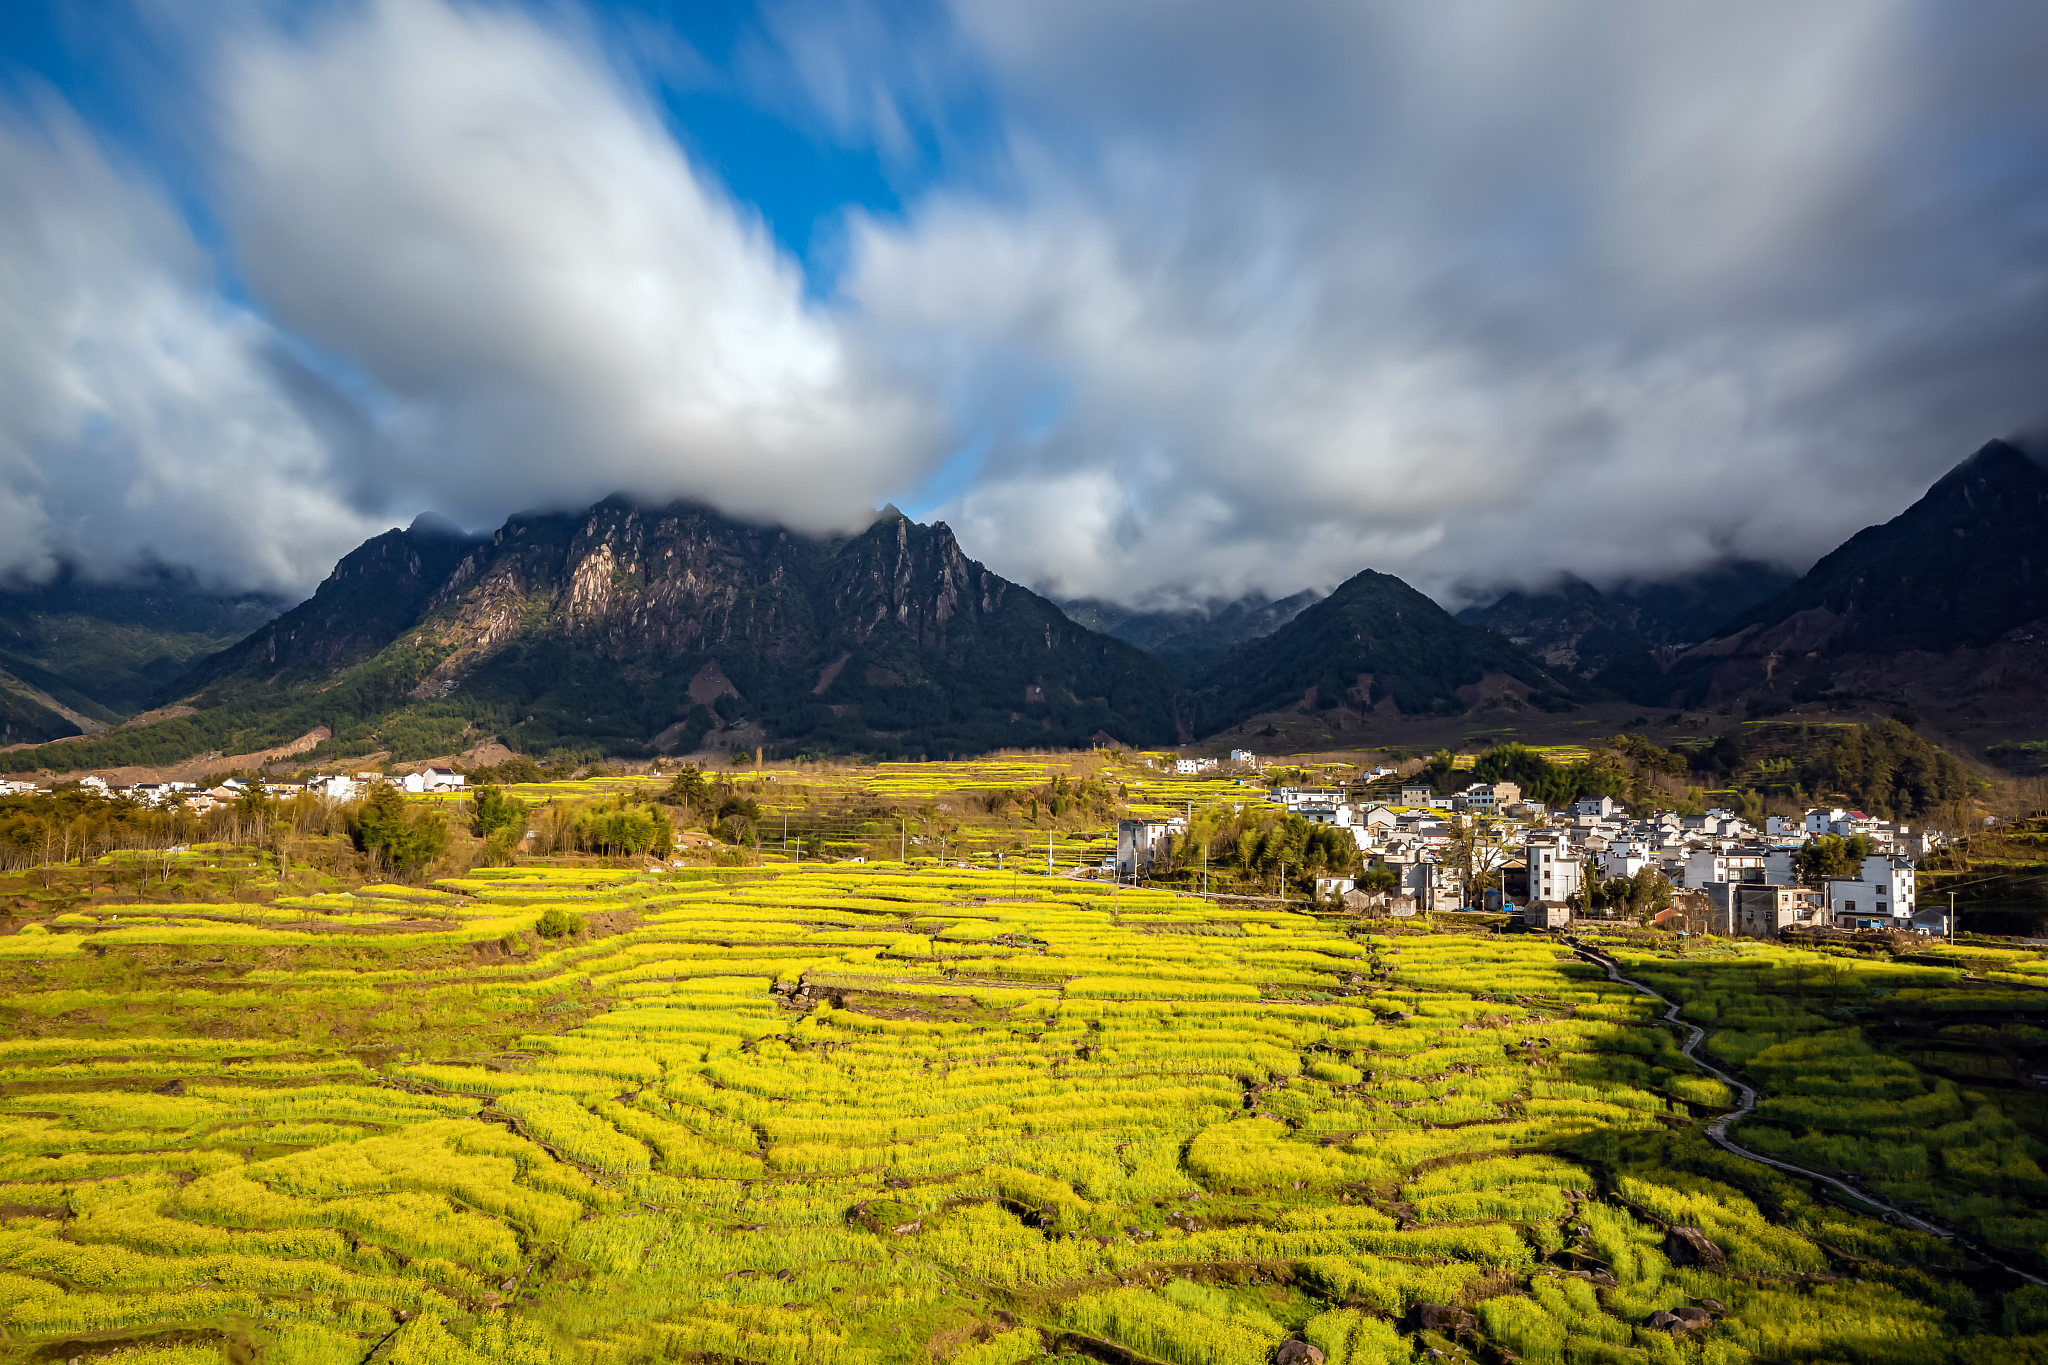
1158,303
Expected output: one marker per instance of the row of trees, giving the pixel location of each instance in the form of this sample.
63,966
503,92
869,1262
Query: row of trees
77,826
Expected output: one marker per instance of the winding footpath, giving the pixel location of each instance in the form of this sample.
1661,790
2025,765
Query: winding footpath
1717,1130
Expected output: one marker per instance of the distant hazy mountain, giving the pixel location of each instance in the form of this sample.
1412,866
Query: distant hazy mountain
1191,641
1615,637
1944,608
1377,643
629,629
75,655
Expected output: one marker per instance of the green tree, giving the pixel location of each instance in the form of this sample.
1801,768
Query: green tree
1640,896
555,922
687,788
406,839
1831,855
493,811
1379,878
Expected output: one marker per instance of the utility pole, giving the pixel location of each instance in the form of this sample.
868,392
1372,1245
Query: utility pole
1205,872
1951,917
1048,853
904,855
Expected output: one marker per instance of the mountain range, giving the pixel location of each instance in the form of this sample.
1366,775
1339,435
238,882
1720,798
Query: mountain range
1190,641
626,629
1610,638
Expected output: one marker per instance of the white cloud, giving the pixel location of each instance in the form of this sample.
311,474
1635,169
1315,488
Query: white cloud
141,417
1215,297
484,218
1473,293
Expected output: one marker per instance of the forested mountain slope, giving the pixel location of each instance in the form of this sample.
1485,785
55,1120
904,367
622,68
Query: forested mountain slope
1376,642
1944,608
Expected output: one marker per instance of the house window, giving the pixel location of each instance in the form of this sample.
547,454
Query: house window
1850,907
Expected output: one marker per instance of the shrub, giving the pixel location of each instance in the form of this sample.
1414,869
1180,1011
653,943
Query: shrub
555,922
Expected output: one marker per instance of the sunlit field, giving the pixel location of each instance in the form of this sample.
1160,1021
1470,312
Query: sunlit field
837,1113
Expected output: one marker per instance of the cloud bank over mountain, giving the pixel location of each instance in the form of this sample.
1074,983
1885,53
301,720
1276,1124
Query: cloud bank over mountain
1171,302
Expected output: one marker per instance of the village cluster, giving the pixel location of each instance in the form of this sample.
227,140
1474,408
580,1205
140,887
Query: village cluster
1486,847
332,788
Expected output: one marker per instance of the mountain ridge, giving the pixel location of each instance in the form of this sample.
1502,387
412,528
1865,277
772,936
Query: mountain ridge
609,629
1377,644
1943,609
1191,640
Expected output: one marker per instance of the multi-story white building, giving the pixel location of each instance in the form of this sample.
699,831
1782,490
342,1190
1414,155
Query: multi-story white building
1140,844
1880,896
1485,798
1823,819
334,788
1707,866
1556,873
1761,910
1625,858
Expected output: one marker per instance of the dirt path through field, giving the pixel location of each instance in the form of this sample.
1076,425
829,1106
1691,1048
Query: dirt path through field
1717,1131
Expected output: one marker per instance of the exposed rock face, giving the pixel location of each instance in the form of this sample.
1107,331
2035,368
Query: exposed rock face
622,624
1297,1353
374,594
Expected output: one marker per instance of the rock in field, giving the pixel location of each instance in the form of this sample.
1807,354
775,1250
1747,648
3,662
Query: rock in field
1689,1246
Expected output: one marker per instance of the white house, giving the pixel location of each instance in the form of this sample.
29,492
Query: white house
1378,817
1880,896
1599,807
1555,872
1761,910
1295,797
333,789
94,783
1415,796
1708,866
1193,765
1625,858
1243,756
1823,819
444,779
1485,798
1434,886
1142,843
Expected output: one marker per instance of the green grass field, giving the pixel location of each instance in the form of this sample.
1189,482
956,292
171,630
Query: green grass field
869,1114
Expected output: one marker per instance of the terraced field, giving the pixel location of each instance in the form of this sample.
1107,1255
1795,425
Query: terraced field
864,1114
